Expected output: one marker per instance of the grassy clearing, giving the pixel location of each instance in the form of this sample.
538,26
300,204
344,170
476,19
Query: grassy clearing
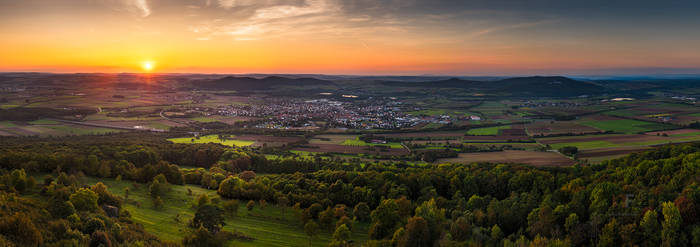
487,131
625,125
270,226
211,139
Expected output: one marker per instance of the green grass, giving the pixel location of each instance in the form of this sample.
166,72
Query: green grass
606,144
8,106
487,131
211,139
587,145
82,130
44,121
433,126
686,134
269,226
7,124
358,142
203,119
625,125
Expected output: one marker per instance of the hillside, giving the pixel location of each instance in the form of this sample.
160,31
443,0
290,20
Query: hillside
524,86
253,84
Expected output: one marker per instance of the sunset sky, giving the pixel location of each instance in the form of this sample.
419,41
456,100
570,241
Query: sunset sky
351,37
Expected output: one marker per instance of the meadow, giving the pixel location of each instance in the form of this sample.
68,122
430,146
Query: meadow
271,226
211,139
625,125
486,131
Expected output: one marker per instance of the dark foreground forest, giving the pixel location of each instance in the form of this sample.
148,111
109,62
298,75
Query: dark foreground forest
643,199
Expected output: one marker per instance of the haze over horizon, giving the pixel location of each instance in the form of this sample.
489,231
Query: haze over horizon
351,37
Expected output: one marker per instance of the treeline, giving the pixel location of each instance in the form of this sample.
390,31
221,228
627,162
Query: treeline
36,113
643,199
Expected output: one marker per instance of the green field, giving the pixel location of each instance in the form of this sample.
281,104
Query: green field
358,142
271,226
82,130
203,119
628,126
211,139
44,121
7,124
606,144
487,131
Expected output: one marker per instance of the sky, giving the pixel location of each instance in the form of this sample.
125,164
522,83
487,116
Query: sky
363,37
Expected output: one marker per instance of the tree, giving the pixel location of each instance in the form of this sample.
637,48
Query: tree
60,208
250,205
159,186
460,229
311,229
361,212
609,236
325,218
344,221
341,236
283,203
104,196
434,216
568,150
496,234
247,175
210,217
202,199
230,187
231,207
158,203
417,233
84,200
201,238
20,229
385,219
670,232
650,228
100,239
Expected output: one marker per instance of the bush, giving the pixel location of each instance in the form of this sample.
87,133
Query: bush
84,200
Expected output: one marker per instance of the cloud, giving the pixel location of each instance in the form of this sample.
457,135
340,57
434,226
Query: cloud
286,11
506,27
139,8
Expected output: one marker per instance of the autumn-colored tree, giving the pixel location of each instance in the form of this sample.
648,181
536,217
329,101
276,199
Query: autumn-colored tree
417,233
385,219
671,225
650,229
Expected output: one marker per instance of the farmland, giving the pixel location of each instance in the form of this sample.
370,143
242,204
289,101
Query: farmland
514,156
377,123
227,141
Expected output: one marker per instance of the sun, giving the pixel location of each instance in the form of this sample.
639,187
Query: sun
147,66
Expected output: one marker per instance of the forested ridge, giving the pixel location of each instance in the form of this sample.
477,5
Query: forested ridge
643,199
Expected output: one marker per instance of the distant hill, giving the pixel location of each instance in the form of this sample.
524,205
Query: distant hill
252,84
527,86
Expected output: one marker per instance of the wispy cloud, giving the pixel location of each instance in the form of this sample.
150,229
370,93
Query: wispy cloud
140,7
506,27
